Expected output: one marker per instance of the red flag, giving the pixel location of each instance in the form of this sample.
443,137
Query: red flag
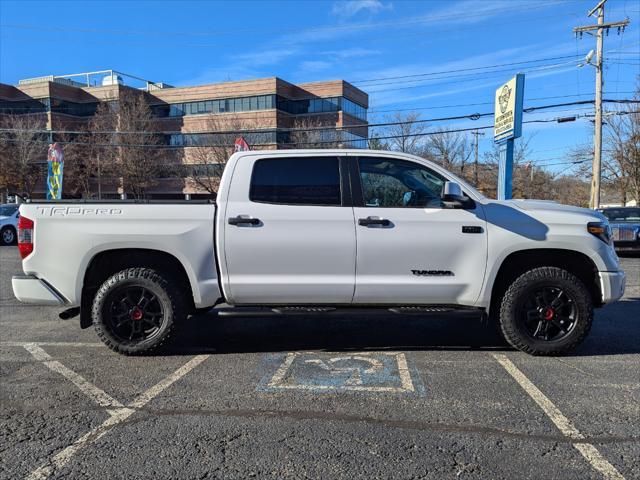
241,145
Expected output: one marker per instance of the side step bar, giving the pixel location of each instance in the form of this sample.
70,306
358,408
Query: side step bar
327,310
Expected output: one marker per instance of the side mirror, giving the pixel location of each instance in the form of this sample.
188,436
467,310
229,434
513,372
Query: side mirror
451,192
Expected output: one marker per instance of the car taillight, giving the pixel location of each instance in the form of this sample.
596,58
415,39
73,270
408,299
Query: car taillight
25,236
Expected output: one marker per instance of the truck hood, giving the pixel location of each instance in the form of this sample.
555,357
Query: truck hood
550,210
535,218
544,206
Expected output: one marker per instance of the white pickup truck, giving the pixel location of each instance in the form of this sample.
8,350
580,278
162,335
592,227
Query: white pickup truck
322,231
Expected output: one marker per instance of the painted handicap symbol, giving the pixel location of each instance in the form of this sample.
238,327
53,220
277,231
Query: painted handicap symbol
355,372
318,372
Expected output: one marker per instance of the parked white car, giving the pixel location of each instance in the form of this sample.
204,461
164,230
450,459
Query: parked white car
322,232
8,223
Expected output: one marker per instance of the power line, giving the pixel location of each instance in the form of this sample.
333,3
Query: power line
332,142
472,116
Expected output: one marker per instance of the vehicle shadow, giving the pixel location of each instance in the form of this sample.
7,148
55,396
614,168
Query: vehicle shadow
616,331
211,333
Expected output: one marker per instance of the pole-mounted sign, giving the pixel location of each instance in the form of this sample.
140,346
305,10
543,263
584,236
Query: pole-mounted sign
240,145
507,127
55,162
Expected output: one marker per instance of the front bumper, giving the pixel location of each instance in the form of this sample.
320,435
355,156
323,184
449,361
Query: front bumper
30,289
627,246
612,285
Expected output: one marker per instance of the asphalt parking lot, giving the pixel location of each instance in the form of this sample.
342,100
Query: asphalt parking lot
319,397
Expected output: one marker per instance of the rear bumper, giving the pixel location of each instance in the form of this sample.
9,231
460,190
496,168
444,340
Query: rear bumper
612,285
30,289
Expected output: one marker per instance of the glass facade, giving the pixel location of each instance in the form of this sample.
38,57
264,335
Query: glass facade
262,102
268,137
225,105
24,106
73,108
43,105
184,170
316,138
354,109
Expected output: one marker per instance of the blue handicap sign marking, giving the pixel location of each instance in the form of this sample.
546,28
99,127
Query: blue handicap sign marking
373,372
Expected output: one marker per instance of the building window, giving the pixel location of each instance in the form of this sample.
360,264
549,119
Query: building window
296,181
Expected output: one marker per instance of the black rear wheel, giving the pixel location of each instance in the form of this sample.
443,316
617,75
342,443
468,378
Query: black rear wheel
7,235
134,310
546,311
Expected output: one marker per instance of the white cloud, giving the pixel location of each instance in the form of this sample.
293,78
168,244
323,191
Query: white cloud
347,53
314,65
266,57
347,9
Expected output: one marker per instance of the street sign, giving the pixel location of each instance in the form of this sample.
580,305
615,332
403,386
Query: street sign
507,126
508,109
240,145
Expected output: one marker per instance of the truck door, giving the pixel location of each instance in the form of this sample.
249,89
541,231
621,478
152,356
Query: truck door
289,231
412,250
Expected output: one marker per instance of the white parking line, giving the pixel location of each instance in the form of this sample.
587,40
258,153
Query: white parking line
588,451
93,392
117,416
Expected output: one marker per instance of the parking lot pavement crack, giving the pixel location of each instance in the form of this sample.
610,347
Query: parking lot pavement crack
303,415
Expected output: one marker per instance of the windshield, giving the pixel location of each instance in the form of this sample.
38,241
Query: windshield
7,210
622,214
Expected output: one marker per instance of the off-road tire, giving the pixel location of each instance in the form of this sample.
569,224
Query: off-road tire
6,230
514,331
170,298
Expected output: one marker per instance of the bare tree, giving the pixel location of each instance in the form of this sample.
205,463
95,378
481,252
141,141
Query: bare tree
452,150
207,160
621,166
376,143
138,145
308,132
406,135
621,156
23,152
90,157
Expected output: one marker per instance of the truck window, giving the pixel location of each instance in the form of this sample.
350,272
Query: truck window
296,181
392,183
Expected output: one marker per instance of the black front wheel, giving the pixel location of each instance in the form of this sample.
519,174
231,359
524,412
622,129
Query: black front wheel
546,311
134,310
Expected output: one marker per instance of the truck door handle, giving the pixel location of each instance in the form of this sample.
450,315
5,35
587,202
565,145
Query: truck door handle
367,222
244,220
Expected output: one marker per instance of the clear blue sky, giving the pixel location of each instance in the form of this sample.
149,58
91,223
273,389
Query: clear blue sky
186,43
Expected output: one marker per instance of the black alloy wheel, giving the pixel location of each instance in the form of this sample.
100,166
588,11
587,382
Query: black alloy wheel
134,310
135,313
548,313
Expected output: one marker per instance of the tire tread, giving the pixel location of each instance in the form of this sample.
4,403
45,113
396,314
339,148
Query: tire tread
175,297
517,288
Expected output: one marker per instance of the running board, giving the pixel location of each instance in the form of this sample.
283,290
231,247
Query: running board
351,310
418,310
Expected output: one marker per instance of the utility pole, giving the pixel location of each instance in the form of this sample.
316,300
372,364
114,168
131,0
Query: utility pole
476,133
596,170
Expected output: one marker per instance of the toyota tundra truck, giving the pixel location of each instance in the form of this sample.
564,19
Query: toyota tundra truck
321,232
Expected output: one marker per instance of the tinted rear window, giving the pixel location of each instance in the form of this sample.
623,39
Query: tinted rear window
296,181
